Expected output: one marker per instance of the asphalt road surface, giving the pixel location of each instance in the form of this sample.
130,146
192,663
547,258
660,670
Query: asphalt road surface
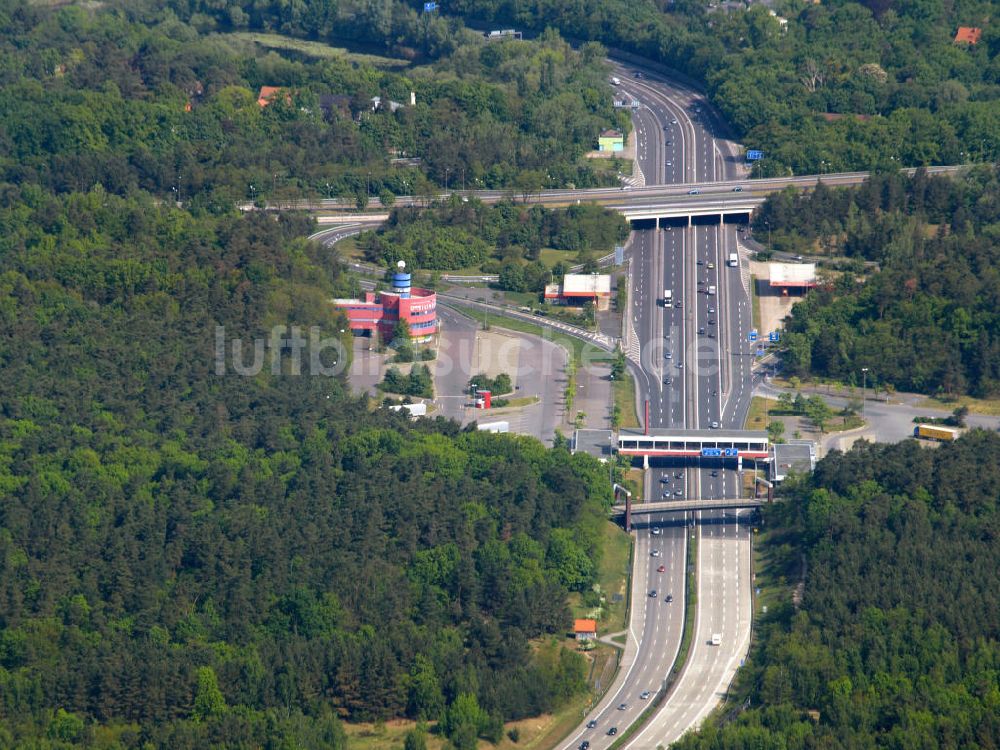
694,369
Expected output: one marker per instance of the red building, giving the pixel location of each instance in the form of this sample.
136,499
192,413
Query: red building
382,310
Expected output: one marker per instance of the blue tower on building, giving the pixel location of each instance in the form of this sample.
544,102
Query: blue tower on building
401,281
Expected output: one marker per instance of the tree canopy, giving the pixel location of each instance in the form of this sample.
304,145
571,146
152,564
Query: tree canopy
896,643
919,302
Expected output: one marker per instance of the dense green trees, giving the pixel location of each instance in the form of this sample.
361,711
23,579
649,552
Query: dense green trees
102,97
505,238
918,305
193,557
896,643
843,85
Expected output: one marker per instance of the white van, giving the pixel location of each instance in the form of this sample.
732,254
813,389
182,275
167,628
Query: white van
711,290
716,639
667,297
734,260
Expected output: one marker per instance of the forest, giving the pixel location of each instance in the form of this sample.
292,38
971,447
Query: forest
460,234
919,301
191,557
841,86
896,642
131,97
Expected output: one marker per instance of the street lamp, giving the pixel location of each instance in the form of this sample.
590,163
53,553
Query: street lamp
864,384
768,224
446,171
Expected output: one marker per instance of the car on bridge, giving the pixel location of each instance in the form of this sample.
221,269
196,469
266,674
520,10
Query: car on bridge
656,531
694,191
738,189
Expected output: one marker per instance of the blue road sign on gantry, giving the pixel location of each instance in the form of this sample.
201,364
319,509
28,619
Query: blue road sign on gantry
428,7
752,336
731,452
711,452
754,155
773,336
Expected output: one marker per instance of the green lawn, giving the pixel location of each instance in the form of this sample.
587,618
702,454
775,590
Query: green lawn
757,414
315,49
624,394
577,348
613,577
755,307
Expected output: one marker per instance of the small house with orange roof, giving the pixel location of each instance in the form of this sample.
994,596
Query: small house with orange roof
968,35
267,94
585,630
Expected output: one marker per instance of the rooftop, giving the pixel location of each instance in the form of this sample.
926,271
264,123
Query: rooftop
968,34
585,626
612,134
586,283
596,443
792,274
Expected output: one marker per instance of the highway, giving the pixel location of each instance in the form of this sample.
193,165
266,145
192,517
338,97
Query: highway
696,372
692,366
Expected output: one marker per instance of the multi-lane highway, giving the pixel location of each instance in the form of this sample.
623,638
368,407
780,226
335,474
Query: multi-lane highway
690,364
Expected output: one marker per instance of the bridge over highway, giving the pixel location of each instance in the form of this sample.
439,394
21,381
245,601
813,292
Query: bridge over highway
667,506
675,199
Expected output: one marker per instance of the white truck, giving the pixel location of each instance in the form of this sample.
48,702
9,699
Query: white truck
668,297
734,260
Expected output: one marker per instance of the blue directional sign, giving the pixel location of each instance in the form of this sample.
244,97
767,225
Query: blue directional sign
711,452
428,7
774,336
731,452
752,336
754,155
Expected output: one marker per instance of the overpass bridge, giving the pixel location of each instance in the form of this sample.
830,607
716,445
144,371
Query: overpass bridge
668,442
669,506
675,200
721,207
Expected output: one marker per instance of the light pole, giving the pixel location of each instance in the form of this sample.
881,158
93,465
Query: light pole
864,384
768,224
446,171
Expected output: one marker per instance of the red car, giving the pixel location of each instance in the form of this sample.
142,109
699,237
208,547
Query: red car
661,569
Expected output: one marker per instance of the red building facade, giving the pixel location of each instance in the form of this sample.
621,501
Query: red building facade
382,310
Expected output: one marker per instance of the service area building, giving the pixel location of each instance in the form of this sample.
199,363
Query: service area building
611,140
579,289
382,310
798,456
791,277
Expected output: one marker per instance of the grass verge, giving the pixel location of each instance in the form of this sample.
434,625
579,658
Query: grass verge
624,395
613,577
755,307
757,414
389,735
314,49
580,351
988,406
